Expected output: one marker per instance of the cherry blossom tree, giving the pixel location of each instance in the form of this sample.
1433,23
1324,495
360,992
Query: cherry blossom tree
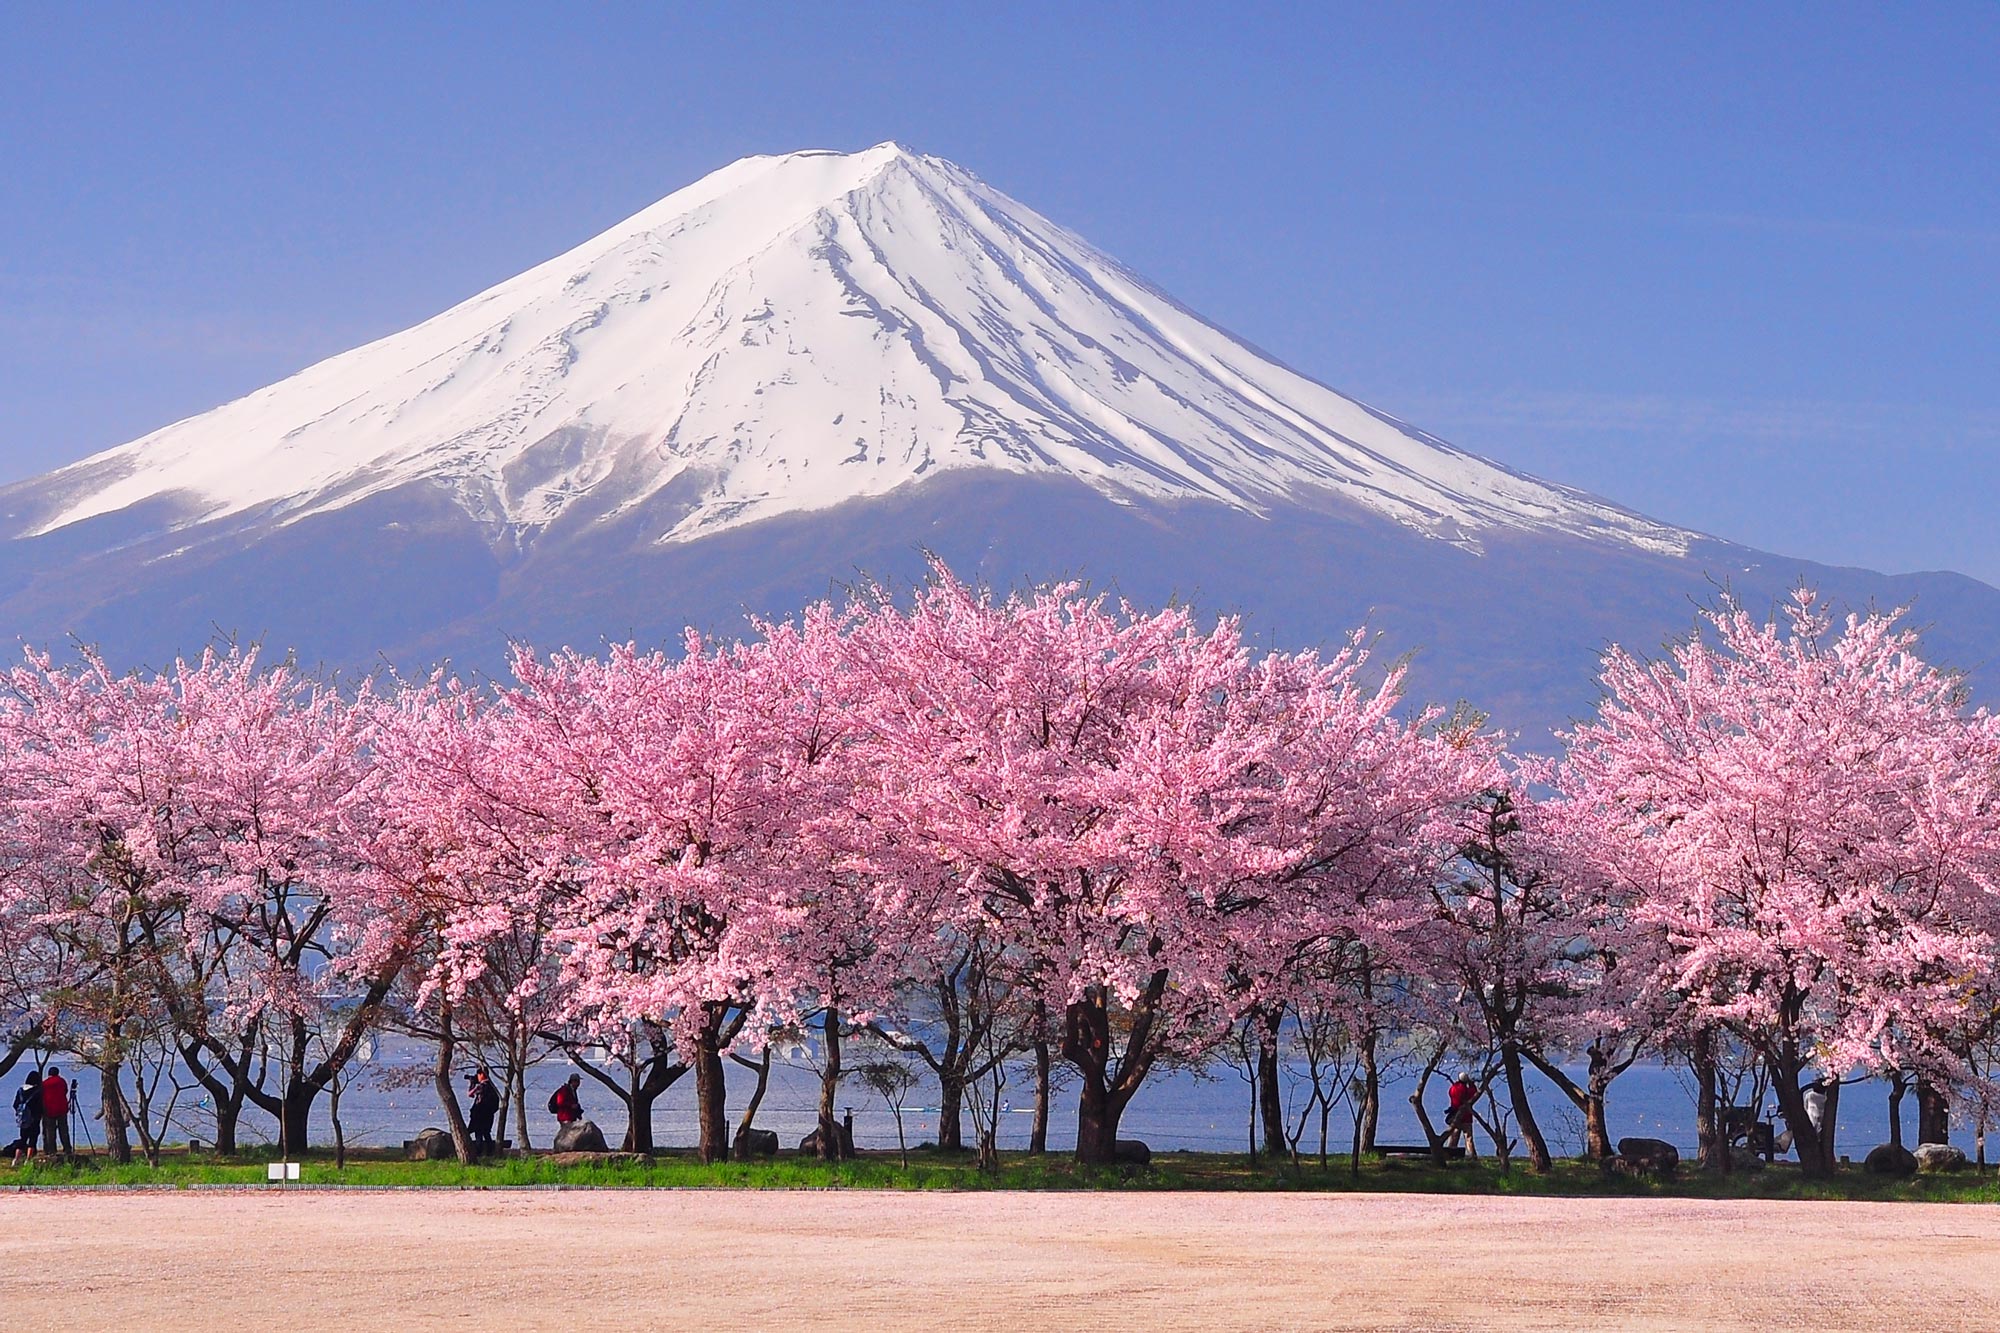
275,804
1134,804
1808,822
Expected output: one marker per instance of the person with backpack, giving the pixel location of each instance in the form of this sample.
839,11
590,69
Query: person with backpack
55,1113
28,1117
564,1103
485,1105
1464,1095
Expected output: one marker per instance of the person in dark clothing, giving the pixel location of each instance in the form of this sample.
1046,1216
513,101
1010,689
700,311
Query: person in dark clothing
28,1117
55,1113
485,1105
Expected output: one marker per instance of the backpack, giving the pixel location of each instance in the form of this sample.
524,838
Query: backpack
555,1102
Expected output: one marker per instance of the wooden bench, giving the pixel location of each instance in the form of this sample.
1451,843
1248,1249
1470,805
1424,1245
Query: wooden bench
1451,1154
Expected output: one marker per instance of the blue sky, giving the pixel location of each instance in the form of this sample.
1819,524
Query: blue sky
1739,270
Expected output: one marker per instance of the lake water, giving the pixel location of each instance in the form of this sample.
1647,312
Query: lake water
1174,1110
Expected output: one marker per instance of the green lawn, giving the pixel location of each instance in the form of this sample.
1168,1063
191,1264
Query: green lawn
930,1170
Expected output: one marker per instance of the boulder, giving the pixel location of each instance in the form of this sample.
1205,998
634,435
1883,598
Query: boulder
430,1145
1886,1159
755,1143
1937,1157
809,1145
580,1136
1131,1152
1652,1157
1742,1159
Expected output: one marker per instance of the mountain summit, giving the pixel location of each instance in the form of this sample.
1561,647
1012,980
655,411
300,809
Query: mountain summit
790,333
804,368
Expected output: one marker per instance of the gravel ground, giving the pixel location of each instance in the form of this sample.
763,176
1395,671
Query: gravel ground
581,1260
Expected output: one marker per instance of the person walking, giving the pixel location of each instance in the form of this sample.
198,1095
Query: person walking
1464,1095
28,1117
55,1114
485,1105
564,1103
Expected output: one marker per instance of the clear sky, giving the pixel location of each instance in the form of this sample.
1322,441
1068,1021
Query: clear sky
1735,266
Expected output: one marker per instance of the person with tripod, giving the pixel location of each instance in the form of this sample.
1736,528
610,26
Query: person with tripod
55,1114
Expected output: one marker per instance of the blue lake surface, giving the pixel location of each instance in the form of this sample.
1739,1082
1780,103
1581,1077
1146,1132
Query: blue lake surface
1178,1109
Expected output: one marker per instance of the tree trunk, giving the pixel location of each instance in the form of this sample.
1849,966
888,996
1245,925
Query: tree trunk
1587,1098
1711,1151
227,1115
225,1094
1596,1133
519,1074
1371,1090
1087,1046
951,1111
454,1118
832,1146
661,1074
762,1067
1524,1113
1270,1097
339,1134
1899,1087
628,1097
1250,1121
1596,1128
711,1090
1431,1135
1038,1131
517,1084
1933,1113
111,1104
1807,1140
294,1118
1096,1125
142,1123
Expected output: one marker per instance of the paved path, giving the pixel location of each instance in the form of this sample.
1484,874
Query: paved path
883,1263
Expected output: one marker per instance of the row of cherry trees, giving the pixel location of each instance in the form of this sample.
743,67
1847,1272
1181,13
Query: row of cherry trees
1040,831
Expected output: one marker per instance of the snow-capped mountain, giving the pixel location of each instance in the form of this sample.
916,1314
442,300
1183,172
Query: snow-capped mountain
791,333
804,367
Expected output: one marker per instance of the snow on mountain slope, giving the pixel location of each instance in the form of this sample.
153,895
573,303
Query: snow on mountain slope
790,333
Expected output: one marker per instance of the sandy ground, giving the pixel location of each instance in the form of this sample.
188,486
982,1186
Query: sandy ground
886,1262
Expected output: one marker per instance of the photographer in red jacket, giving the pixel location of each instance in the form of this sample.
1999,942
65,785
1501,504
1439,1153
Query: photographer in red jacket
55,1113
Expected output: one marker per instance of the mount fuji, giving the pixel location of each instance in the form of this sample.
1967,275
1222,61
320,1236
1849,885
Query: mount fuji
807,368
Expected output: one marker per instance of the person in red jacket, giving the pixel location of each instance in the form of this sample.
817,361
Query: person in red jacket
55,1113
1458,1120
564,1103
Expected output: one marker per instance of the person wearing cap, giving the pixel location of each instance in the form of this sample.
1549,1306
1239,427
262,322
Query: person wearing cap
1458,1118
485,1104
564,1103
